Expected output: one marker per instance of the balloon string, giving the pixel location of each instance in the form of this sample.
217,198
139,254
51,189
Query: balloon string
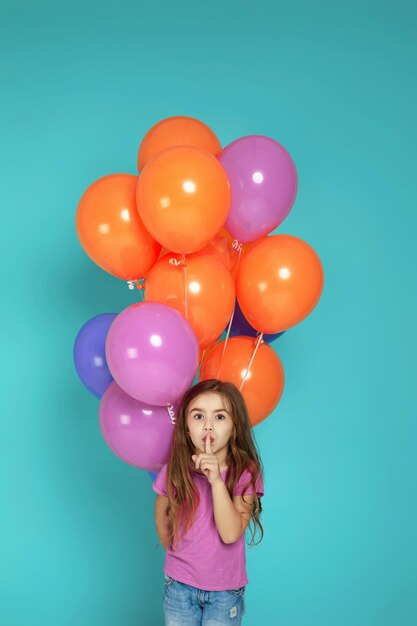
236,246
141,288
181,263
238,260
171,413
258,343
201,361
202,355
226,340
185,288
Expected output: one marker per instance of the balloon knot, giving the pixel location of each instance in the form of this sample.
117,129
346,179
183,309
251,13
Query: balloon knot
178,262
135,283
236,245
171,414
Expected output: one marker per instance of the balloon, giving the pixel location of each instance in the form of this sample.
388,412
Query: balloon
220,248
177,131
89,354
210,292
111,231
264,383
152,352
183,198
240,326
233,245
263,180
138,433
279,283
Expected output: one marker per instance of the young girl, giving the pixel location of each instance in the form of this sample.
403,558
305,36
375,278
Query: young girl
208,492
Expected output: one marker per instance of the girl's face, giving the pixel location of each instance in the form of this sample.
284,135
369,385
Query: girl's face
208,415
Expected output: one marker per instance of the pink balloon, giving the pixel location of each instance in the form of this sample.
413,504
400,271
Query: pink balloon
138,433
152,353
263,181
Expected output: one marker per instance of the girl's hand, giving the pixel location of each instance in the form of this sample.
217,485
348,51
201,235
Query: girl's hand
208,463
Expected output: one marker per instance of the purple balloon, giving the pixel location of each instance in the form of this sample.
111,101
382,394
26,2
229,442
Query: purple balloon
152,352
136,432
263,181
90,356
240,326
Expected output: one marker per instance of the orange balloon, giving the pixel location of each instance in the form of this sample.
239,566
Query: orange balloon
234,251
183,198
111,231
210,292
224,233
279,283
220,248
263,386
177,131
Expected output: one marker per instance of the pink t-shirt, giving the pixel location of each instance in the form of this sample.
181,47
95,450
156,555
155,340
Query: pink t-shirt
201,559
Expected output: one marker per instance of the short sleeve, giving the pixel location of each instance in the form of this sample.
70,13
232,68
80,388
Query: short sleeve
160,483
244,480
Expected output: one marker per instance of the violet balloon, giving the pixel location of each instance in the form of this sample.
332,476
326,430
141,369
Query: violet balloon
89,354
263,181
136,432
152,352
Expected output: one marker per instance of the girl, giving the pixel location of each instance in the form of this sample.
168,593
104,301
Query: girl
208,492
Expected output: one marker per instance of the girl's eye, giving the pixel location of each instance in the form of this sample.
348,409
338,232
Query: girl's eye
221,416
198,415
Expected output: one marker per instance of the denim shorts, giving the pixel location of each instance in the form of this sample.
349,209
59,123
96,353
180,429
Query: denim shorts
185,605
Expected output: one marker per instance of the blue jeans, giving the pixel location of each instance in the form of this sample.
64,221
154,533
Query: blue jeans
185,605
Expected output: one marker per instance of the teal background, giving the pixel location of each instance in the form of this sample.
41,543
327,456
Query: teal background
335,84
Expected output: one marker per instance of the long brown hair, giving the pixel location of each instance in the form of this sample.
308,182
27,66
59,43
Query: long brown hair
183,495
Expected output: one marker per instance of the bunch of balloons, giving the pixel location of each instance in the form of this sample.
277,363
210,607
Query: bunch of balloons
192,232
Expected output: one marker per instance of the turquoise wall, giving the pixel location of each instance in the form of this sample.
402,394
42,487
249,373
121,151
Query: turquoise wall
335,84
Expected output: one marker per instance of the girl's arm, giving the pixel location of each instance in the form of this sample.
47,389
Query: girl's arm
231,517
161,519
